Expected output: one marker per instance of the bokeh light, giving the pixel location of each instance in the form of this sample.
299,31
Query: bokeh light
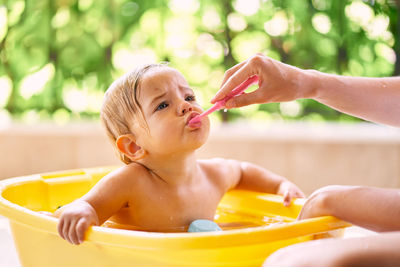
321,23
278,25
57,60
236,22
61,18
125,59
360,13
211,19
246,44
247,7
34,83
292,108
184,6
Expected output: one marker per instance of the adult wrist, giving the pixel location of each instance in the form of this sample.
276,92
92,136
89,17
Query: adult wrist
311,84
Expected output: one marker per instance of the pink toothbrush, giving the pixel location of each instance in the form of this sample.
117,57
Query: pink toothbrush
221,104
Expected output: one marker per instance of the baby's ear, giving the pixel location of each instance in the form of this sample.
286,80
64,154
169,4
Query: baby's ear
126,144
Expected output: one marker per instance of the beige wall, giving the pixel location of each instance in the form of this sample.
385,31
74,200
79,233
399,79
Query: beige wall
310,155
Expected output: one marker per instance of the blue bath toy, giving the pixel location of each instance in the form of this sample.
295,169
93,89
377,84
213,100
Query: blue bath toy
203,226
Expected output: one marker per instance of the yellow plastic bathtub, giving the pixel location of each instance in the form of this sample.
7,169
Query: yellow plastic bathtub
270,226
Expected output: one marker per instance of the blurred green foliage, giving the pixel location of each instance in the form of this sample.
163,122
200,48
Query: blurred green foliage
59,56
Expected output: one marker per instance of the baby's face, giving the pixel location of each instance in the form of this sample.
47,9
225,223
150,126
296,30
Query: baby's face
168,104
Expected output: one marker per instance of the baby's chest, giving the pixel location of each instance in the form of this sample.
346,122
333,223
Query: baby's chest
175,211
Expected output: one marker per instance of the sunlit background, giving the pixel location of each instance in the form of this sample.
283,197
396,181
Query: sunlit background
59,56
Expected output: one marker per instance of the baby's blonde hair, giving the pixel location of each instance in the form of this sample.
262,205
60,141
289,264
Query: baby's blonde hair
121,112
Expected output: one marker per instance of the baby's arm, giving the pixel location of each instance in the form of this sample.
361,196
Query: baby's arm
379,250
108,196
253,177
377,209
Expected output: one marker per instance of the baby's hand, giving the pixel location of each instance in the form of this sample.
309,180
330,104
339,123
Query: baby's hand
75,219
289,190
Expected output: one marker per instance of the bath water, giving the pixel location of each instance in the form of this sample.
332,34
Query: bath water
225,218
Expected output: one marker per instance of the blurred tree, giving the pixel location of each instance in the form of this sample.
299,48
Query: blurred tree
59,56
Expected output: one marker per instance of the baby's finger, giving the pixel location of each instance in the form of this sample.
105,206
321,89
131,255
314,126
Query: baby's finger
73,237
287,198
65,229
60,227
81,228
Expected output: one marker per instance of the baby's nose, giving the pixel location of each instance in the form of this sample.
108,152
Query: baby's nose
185,107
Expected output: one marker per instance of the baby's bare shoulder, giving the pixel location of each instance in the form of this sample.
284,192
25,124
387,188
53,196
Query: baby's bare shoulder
221,170
219,164
128,175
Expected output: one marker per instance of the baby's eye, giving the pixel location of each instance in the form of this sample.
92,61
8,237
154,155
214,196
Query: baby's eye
162,106
190,98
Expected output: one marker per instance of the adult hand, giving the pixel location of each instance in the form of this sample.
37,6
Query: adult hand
309,254
319,203
278,82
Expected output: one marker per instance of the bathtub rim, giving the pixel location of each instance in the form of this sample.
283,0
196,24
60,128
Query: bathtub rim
153,240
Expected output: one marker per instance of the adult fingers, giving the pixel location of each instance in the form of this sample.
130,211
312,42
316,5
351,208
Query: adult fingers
231,71
234,81
304,212
301,215
238,74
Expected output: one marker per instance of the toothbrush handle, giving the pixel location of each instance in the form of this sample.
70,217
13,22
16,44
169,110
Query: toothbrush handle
220,104
215,107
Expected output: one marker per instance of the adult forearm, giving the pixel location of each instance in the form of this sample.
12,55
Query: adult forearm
373,208
379,250
373,99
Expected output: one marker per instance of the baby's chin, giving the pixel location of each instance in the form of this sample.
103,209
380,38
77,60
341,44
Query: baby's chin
199,144
189,145
195,144
202,138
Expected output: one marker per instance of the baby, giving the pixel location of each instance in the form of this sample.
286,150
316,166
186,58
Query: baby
162,187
